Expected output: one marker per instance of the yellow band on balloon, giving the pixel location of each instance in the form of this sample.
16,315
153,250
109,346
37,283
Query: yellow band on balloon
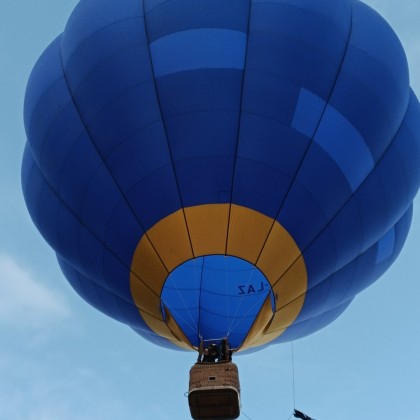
219,229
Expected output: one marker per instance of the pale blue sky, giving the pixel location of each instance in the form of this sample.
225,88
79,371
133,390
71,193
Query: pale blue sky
62,360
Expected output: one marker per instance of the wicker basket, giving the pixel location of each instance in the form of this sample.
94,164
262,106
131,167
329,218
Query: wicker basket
214,391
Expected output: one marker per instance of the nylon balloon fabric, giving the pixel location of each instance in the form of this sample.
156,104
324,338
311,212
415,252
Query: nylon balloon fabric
212,169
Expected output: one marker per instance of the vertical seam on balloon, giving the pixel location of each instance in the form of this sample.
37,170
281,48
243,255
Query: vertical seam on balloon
164,127
199,301
235,157
313,135
112,177
65,205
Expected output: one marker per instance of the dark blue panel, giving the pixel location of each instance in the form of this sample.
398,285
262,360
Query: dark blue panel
211,133
44,116
46,72
271,143
154,197
60,144
101,299
164,18
155,339
347,239
259,186
302,215
344,284
372,89
31,181
326,189
205,180
269,96
106,49
99,200
312,43
123,116
305,328
77,170
120,73
409,149
198,91
123,232
91,16
205,48
139,156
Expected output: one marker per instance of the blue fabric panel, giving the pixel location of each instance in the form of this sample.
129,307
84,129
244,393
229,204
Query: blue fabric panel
142,151
46,72
309,107
91,16
68,237
302,215
312,41
100,199
201,119
364,231
369,269
323,188
123,116
167,17
33,186
305,328
338,12
101,299
154,196
205,180
372,88
122,39
345,146
157,340
125,77
409,149
272,87
344,284
337,245
44,114
252,190
115,95
202,126
198,91
386,246
266,96
198,49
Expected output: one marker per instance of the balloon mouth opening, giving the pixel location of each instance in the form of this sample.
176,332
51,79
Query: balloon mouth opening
216,296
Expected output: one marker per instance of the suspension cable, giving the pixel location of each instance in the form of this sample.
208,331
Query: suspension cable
293,376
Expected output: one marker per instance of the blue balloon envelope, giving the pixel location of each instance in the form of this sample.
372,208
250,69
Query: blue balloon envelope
214,169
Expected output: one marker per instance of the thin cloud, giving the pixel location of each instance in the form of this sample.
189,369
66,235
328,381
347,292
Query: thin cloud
24,300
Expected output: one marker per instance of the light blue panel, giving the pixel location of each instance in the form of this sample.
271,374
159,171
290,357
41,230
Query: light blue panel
309,109
198,49
340,139
386,246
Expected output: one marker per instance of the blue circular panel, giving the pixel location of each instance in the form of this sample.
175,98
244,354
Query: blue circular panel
215,296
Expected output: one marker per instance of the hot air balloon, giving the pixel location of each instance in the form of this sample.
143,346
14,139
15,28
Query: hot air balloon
209,169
